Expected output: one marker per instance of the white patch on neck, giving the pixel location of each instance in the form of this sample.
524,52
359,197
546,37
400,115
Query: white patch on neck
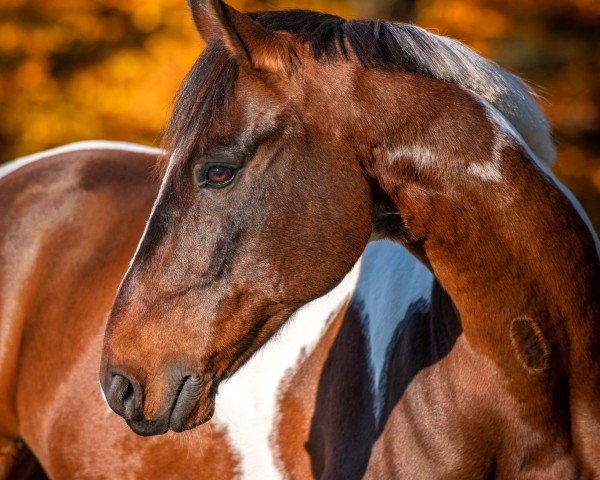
247,403
509,132
488,172
420,155
424,157
18,163
391,279
491,171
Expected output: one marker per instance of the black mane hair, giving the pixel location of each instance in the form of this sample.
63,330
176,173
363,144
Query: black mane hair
372,41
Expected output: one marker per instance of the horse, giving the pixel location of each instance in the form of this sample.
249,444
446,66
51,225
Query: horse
83,207
298,138
321,374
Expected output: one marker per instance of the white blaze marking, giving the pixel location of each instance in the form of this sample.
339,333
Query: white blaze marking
247,403
161,193
390,280
10,167
108,409
102,393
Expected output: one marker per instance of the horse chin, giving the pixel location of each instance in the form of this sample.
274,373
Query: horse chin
148,428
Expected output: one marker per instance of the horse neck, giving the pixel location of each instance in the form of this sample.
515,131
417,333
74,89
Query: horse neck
498,233
499,257
473,204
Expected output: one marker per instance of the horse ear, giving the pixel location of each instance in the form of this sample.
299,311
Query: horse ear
251,44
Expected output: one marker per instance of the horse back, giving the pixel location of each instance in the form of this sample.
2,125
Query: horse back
69,224
69,221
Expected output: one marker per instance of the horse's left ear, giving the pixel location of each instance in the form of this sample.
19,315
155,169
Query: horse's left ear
251,44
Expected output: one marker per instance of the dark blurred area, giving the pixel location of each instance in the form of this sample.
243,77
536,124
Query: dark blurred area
106,69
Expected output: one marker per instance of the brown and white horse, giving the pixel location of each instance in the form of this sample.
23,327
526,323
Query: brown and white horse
296,139
384,385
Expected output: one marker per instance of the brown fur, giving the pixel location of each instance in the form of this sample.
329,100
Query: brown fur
219,272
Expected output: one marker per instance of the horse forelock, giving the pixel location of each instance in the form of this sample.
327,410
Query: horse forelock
202,99
201,103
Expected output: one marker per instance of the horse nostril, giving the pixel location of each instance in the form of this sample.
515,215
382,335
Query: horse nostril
124,395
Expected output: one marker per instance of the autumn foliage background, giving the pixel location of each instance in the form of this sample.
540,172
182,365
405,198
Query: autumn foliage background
108,69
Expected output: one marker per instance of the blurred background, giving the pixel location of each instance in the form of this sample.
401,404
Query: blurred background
108,69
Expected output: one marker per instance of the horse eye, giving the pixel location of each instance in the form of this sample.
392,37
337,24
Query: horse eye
219,176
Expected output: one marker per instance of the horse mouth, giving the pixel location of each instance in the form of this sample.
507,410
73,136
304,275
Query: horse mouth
194,403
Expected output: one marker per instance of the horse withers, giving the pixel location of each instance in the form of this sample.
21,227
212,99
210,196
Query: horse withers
296,139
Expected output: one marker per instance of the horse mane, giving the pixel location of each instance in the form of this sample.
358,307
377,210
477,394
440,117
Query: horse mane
376,44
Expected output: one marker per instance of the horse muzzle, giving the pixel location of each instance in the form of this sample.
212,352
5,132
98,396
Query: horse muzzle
190,402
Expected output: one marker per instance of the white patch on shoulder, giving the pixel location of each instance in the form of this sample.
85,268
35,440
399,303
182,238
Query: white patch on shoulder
510,132
18,163
247,403
390,280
